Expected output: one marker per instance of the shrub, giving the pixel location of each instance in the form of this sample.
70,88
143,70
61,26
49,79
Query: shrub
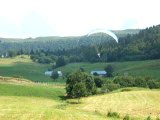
109,70
109,87
54,75
148,118
124,81
113,114
153,84
60,62
126,117
95,74
98,82
140,82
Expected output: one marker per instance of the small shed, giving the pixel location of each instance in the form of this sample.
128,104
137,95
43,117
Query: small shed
49,73
101,73
60,73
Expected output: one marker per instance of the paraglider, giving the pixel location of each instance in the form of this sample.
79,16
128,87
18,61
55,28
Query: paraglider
110,33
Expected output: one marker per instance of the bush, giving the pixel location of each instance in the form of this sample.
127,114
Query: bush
95,74
113,114
109,70
126,117
129,81
153,84
108,87
98,82
124,81
54,75
148,118
140,82
60,62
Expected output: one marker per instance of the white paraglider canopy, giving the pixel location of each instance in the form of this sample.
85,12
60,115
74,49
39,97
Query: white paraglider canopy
110,33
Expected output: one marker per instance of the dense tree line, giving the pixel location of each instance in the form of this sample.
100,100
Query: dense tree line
142,46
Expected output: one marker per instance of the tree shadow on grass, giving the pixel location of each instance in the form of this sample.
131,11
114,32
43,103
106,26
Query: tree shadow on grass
62,97
69,100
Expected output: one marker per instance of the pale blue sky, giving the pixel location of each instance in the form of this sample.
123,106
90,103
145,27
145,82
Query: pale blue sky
33,18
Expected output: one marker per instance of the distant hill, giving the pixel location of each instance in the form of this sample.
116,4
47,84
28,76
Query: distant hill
119,33
54,43
122,33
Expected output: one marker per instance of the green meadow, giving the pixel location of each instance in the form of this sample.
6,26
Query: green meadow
148,68
22,66
32,101
38,98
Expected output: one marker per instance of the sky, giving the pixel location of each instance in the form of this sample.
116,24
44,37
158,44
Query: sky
34,18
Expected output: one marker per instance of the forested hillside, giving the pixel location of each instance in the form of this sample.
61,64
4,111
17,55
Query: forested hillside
141,46
133,45
53,43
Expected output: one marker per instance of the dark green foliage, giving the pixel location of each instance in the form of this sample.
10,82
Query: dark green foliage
98,82
148,118
79,89
141,46
140,82
129,81
82,69
60,62
153,84
110,86
109,70
54,75
113,114
80,84
126,117
11,53
95,74
123,81
42,58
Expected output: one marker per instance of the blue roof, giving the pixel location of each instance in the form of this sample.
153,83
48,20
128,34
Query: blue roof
100,72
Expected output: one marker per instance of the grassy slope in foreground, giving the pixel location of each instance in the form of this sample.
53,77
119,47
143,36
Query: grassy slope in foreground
38,102
138,104
43,102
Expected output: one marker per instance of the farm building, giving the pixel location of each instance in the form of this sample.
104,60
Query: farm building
101,73
49,73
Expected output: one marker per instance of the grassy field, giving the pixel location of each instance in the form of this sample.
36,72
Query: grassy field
38,101
32,101
148,68
23,66
138,104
